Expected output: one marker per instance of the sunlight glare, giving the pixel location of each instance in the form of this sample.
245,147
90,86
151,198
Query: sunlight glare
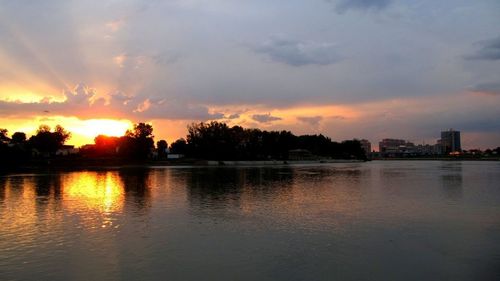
109,127
97,192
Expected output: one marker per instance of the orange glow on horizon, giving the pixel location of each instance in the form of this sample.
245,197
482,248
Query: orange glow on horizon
82,131
95,127
288,116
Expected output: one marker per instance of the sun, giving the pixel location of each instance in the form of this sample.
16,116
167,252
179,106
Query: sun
109,127
87,130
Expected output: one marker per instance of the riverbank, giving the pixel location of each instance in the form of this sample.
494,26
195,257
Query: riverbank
74,163
439,159
279,162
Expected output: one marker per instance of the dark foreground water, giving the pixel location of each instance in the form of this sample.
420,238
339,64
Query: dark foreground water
405,220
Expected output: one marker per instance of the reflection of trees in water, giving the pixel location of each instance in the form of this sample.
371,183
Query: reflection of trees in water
268,177
137,186
452,180
15,187
47,190
327,177
47,185
218,187
3,185
277,195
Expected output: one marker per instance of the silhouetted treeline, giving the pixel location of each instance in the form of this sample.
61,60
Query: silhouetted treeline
217,141
137,143
44,143
209,141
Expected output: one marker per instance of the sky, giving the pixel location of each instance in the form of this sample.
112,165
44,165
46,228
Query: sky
369,69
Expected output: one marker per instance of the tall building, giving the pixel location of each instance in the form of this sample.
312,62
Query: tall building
450,141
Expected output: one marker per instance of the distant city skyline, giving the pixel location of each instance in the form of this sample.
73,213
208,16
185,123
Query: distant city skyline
347,69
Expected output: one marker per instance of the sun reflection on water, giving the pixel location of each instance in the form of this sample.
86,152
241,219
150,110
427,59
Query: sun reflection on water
97,197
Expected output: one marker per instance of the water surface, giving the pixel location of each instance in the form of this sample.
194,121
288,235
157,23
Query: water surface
409,220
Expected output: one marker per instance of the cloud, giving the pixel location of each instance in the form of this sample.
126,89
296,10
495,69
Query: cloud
115,25
82,102
298,53
489,50
312,121
80,95
492,88
265,118
233,116
166,58
343,5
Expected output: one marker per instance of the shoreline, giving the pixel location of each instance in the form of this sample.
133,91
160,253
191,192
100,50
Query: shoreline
493,159
98,164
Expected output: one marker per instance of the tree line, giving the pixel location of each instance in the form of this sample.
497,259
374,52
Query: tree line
206,140
218,141
44,142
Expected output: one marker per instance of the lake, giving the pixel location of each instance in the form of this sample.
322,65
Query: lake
380,220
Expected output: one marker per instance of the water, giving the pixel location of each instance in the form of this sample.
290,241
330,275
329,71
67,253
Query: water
390,220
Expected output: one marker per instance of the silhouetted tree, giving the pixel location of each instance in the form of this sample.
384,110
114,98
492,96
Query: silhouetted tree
18,137
140,130
212,140
162,147
179,147
138,142
106,145
351,149
47,141
3,135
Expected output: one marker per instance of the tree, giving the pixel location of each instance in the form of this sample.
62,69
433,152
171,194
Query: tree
106,145
18,137
47,141
211,140
138,142
162,147
140,130
179,147
217,141
3,135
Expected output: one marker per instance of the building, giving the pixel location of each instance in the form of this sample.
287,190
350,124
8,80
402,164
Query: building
366,145
450,142
395,148
66,150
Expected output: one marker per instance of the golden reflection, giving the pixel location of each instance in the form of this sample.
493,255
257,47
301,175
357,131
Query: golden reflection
25,212
93,192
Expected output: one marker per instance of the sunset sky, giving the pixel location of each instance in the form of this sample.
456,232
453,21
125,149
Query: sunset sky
348,69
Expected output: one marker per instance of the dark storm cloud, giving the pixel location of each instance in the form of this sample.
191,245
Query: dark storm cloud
489,50
265,118
298,53
492,88
344,5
